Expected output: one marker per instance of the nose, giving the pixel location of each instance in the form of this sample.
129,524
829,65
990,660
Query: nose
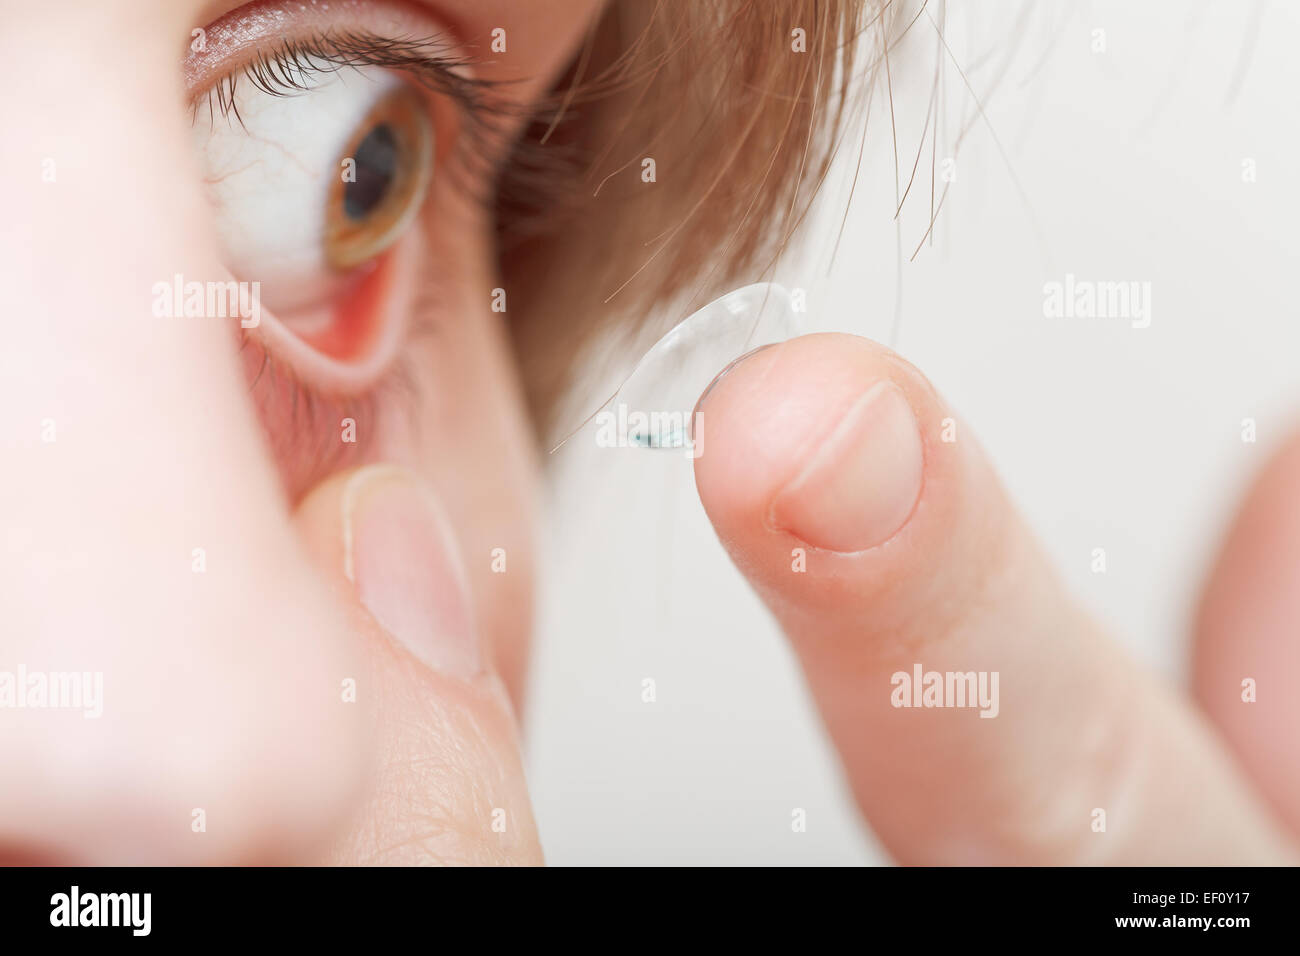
170,670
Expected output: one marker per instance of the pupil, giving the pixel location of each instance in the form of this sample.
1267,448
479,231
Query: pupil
376,166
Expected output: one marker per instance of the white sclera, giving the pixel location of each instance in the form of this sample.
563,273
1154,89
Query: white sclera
661,393
270,177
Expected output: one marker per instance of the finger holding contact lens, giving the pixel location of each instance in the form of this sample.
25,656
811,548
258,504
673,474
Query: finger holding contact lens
654,407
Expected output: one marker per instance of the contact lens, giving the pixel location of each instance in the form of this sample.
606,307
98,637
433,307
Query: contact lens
654,407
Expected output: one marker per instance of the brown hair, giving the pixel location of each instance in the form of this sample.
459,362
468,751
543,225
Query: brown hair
737,109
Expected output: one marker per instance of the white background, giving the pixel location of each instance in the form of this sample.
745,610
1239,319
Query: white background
1130,162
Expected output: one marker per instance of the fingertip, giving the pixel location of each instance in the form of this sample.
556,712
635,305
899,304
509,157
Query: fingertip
447,785
1244,655
825,439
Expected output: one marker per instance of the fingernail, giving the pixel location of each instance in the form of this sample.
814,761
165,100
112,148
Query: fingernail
402,555
862,482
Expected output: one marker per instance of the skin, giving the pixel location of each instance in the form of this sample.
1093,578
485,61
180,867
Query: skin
159,451
222,690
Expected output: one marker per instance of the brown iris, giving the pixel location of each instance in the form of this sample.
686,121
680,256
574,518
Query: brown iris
381,188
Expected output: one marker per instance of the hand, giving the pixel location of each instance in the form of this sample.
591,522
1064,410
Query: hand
869,521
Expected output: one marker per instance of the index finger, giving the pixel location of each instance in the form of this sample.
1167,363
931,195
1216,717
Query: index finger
980,716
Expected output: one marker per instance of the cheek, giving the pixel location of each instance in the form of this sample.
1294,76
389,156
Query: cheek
465,427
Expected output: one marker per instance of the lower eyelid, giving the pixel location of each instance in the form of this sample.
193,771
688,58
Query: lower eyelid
310,434
348,350
323,413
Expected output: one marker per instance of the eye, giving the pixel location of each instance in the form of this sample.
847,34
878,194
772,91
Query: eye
311,186
385,175
327,137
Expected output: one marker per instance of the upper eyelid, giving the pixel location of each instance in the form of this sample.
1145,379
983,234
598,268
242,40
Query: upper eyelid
282,69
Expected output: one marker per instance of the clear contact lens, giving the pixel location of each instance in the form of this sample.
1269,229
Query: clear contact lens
654,406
